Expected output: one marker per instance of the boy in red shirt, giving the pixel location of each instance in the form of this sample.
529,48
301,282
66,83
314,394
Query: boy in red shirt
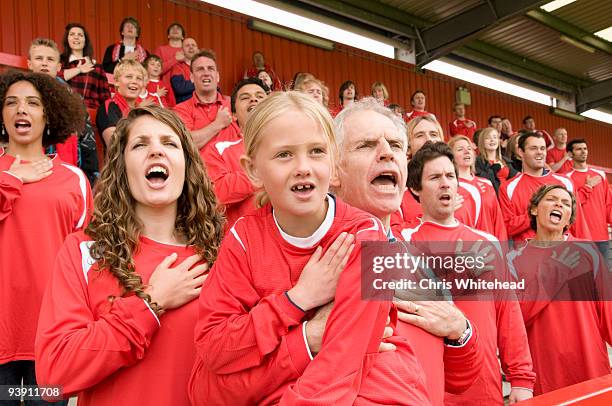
157,90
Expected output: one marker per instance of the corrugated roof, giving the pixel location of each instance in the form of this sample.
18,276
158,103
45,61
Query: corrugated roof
432,10
590,15
542,44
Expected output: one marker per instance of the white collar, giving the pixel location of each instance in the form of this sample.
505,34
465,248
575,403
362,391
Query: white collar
312,240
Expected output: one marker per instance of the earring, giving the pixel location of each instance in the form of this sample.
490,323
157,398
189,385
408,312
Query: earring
3,131
48,132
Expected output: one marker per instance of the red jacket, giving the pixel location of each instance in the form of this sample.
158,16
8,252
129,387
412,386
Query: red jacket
514,197
567,337
249,337
35,218
232,186
499,323
113,352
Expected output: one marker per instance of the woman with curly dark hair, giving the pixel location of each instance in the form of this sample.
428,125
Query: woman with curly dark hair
79,67
143,258
42,200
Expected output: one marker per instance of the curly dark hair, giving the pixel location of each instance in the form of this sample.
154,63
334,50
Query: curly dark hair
67,51
114,225
64,111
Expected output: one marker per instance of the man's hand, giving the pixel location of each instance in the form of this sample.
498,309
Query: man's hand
519,394
316,327
439,318
593,181
31,172
224,117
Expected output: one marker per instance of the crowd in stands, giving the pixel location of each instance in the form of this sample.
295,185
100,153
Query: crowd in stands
244,217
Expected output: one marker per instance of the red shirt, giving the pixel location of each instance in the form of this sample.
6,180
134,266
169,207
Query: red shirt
445,367
596,201
232,186
113,352
168,55
567,337
416,113
35,218
168,100
490,218
197,115
249,336
464,126
554,155
410,212
514,197
499,322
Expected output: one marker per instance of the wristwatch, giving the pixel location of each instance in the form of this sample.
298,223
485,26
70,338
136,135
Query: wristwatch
464,337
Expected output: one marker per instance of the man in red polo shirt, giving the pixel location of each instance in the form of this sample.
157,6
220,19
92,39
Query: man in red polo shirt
462,125
207,114
557,157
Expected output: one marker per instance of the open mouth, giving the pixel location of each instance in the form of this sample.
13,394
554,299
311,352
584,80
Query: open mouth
445,197
157,175
133,88
302,188
387,180
555,216
206,81
23,125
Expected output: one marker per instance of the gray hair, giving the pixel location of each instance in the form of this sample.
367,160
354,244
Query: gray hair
367,103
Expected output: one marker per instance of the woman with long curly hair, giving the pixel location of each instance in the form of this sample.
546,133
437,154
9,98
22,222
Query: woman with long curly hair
42,200
118,317
79,68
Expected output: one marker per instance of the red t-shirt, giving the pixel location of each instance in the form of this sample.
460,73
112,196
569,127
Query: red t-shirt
168,100
35,218
554,155
232,186
514,197
465,127
416,113
113,352
250,339
596,201
499,322
168,55
567,337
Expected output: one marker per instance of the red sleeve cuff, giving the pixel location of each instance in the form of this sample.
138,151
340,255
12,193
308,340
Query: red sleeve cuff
288,307
523,383
298,349
142,314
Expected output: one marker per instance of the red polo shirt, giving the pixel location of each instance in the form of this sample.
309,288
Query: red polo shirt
197,115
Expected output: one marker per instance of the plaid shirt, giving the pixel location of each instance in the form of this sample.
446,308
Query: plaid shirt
92,86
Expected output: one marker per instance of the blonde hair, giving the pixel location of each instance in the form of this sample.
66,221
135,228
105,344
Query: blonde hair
301,86
455,140
273,107
126,64
44,42
486,132
380,85
417,120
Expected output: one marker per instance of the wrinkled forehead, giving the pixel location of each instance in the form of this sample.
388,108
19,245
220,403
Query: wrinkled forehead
370,125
